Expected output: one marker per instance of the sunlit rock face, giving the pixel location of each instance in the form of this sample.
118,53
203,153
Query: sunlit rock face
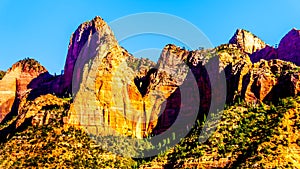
247,41
83,45
264,80
15,84
271,80
113,98
115,93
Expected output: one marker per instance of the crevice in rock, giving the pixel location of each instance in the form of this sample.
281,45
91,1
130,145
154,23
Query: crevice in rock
143,84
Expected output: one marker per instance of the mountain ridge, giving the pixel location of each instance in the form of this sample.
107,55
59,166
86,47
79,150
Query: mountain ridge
107,91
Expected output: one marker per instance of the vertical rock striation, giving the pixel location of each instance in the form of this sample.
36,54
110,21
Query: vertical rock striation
111,99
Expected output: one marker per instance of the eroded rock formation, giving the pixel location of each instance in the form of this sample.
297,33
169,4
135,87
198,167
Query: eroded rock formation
39,112
15,84
247,41
111,98
127,101
116,93
271,80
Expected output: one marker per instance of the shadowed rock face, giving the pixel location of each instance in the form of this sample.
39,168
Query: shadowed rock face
83,45
267,53
2,73
289,47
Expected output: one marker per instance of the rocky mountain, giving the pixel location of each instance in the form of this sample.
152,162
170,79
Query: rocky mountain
247,41
123,100
106,91
14,85
288,49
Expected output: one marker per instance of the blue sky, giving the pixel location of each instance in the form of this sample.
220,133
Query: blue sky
41,29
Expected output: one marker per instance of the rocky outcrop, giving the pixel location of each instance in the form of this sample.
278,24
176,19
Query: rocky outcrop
140,65
261,82
118,100
289,47
271,80
41,111
248,42
80,50
15,84
236,64
265,80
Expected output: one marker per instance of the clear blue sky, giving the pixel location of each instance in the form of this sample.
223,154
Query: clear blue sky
41,29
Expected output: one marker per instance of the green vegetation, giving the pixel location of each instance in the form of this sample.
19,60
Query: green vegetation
57,146
136,63
29,64
2,74
262,135
249,136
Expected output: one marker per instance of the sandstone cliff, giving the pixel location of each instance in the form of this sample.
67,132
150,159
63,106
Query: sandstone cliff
112,97
236,64
116,93
15,84
247,41
139,102
271,80
81,49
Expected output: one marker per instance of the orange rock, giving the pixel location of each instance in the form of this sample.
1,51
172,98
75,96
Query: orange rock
15,84
271,80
